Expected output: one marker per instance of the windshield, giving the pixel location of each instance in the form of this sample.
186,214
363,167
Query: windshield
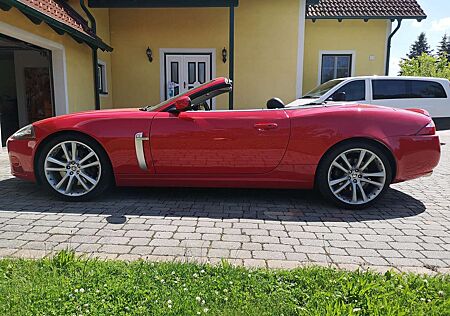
151,108
322,89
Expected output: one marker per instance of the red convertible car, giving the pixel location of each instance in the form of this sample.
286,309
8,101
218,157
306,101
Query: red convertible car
351,153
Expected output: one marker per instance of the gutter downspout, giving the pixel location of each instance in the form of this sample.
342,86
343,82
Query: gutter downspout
94,55
389,42
231,57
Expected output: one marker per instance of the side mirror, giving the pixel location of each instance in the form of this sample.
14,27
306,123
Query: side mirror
183,104
275,103
339,97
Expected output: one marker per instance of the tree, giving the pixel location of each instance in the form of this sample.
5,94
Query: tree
444,47
419,47
426,66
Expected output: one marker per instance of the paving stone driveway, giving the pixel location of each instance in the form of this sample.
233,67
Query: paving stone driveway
408,230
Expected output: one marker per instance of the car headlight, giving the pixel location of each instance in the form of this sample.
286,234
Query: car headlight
26,132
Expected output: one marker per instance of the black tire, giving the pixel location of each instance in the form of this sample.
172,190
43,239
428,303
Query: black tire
322,183
106,178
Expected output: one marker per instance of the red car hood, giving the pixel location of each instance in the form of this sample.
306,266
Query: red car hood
88,115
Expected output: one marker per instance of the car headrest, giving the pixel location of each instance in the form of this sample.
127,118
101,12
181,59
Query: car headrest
275,103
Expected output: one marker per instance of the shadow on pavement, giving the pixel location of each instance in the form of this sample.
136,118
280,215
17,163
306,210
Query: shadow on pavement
288,205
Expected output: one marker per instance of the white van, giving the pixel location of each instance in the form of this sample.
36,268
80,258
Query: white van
431,94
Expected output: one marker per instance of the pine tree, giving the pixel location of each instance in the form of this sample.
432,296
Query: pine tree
444,47
419,47
448,48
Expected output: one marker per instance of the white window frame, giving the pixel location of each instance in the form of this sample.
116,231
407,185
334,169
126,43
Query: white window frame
336,52
104,75
181,51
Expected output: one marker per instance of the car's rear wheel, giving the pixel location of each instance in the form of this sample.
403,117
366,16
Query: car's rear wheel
354,174
74,167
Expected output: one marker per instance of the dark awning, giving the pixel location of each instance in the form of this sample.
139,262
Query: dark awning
161,3
58,15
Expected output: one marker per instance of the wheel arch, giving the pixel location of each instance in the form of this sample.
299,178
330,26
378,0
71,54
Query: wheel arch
379,144
65,132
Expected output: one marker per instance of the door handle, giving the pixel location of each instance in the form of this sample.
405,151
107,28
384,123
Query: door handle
265,126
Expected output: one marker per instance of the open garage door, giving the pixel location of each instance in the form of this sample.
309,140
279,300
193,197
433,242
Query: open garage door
26,85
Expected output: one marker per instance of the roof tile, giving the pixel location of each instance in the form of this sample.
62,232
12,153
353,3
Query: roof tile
366,9
59,12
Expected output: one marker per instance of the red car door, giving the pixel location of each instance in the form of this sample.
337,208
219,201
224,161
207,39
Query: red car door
219,142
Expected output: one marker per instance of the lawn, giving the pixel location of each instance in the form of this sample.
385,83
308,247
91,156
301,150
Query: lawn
67,285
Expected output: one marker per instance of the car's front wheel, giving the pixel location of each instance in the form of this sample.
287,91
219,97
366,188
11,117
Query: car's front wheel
74,167
354,174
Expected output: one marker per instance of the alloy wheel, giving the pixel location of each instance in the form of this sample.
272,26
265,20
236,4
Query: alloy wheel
72,168
357,176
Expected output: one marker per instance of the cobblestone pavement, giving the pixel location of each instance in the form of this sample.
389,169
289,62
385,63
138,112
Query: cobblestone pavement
408,230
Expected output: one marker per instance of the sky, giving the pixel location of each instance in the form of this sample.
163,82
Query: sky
435,26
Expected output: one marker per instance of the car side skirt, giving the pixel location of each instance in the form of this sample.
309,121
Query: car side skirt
288,177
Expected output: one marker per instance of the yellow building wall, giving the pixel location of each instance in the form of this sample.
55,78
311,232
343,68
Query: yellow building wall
136,81
265,49
79,70
365,38
102,19
266,39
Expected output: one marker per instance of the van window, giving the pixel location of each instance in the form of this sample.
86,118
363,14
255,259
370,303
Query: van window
407,89
354,91
427,89
390,89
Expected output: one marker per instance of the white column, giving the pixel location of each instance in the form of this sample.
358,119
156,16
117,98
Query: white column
301,47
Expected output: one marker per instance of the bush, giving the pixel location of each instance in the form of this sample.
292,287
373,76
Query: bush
426,66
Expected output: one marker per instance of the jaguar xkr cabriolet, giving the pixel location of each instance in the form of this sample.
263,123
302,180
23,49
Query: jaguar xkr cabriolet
351,153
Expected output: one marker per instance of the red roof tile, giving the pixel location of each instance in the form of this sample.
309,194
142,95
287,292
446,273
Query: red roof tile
351,9
59,12
60,16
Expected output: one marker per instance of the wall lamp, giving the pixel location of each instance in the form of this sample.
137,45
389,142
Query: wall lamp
224,55
149,54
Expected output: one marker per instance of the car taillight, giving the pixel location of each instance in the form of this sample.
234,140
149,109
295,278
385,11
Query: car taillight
430,129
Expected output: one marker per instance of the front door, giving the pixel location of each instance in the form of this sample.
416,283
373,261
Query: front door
219,142
185,71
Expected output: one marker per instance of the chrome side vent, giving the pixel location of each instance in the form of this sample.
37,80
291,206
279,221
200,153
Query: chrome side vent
139,146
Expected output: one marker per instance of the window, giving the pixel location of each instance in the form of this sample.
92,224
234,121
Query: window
335,66
197,98
407,89
427,89
102,83
322,89
390,89
354,91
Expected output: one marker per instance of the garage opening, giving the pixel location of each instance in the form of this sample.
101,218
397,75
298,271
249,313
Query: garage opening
26,85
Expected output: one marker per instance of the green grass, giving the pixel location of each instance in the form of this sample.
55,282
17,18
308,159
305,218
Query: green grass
67,285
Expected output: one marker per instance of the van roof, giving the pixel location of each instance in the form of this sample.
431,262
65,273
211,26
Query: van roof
397,78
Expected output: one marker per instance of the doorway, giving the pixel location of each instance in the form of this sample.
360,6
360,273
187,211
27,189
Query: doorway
26,85
184,69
